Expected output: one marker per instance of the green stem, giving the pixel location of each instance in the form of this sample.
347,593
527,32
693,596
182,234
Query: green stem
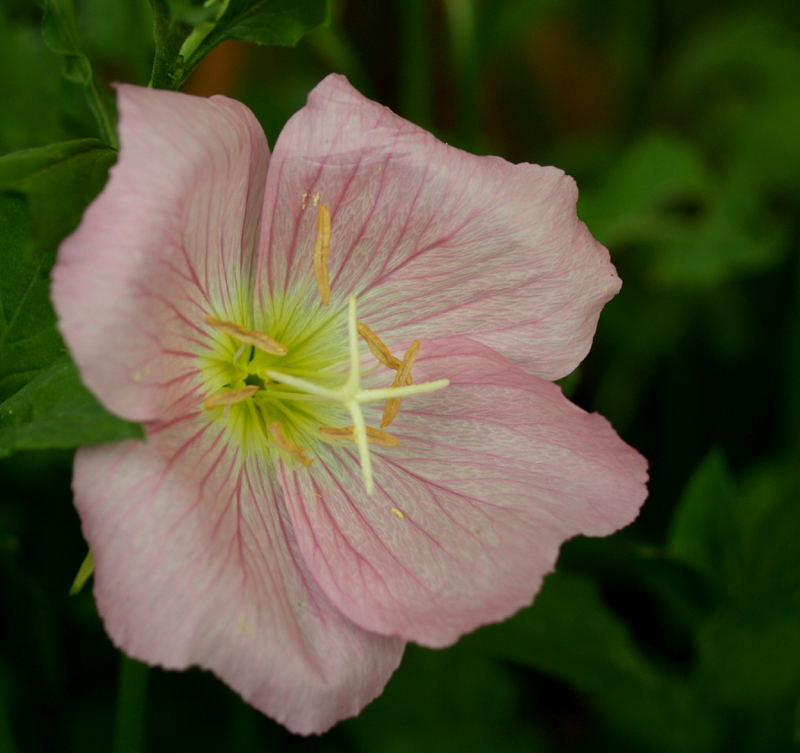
169,38
100,104
131,706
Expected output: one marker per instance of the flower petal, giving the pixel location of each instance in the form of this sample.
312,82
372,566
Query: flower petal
433,240
170,240
201,568
492,474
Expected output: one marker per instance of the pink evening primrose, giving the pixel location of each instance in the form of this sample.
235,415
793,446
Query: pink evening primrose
342,355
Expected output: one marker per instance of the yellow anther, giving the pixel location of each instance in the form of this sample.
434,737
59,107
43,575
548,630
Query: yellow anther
398,513
351,395
392,407
275,430
230,397
321,248
379,349
258,340
348,433
377,346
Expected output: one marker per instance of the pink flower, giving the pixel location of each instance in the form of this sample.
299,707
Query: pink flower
241,536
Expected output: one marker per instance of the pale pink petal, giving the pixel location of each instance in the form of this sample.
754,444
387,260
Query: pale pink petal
170,239
433,240
492,474
195,565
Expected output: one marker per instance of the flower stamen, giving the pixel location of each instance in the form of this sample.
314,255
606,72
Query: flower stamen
392,407
259,340
347,433
351,395
275,431
321,248
378,348
230,397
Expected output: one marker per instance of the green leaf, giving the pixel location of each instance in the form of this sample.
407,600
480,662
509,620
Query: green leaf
570,633
43,193
749,659
59,181
695,227
281,22
29,341
744,538
194,29
655,172
452,699
61,34
85,572
704,531
739,79
37,106
55,410
195,14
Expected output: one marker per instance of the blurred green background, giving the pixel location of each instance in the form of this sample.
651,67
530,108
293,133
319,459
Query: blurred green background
681,123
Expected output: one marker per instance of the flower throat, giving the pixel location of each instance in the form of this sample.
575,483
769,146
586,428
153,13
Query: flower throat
285,390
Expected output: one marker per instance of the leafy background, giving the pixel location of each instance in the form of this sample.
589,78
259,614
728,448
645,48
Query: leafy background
681,122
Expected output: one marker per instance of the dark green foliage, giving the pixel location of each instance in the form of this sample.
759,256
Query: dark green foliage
187,31
43,193
61,34
55,410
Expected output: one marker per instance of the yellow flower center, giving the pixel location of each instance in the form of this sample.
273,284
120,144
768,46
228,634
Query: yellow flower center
282,386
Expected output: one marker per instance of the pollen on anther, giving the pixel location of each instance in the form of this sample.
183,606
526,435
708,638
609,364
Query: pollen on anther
378,349
257,339
230,397
348,434
392,406
275,431
322,246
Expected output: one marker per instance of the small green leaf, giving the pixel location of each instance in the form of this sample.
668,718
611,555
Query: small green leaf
196,14
569,632
662,196
59,181
29,341
55,410
704,531
750,659
194,29
84,573
61,34
282,22
43,193
657,171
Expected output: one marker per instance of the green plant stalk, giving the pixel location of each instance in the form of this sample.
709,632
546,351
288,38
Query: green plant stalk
60,32
131,706
169,38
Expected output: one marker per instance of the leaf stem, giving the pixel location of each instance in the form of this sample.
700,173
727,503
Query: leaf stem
131,706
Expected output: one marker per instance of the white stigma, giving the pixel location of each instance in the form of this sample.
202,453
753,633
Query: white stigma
352,395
